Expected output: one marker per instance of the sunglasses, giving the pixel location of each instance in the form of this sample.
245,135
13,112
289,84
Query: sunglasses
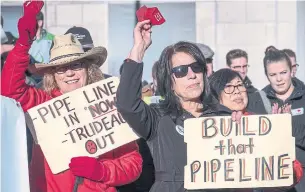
74,67
182,70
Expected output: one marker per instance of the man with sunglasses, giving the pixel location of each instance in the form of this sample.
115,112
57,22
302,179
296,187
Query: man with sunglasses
208,54
237,60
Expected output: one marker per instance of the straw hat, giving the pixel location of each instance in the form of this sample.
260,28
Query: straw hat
67,49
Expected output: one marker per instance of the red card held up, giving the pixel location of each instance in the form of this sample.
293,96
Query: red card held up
141,13
155,16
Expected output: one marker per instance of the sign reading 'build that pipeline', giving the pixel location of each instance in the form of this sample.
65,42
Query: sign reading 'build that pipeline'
258,152
84,122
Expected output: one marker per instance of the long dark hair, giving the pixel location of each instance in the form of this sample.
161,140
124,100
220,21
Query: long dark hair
275,55
171,104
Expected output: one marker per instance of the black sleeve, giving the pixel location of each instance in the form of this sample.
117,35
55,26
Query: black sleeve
298,131
142,118
255,104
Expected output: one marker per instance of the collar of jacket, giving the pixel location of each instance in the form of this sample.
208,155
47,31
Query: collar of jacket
207,111
247,82
299,90
223,110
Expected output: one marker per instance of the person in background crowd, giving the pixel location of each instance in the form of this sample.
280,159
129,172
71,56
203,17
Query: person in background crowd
84,37
208,54
11,39
270,47
40,49
237,60
7,43
182,81
228,88
283,90
154,77
293,58
69,68
147,90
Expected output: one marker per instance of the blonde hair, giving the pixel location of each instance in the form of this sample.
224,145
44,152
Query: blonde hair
93,71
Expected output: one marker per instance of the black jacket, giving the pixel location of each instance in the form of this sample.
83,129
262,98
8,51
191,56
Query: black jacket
248,84
165,137
297,101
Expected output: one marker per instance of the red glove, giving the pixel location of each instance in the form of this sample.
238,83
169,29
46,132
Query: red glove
27,25
87,167
298,171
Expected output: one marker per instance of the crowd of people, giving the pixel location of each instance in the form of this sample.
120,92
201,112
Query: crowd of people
39,66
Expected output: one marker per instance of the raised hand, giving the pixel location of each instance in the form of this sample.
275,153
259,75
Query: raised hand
27,25
32,8
278,110
142,40
286,109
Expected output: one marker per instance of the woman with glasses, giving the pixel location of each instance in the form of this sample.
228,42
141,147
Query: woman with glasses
182,82
229,90
69,68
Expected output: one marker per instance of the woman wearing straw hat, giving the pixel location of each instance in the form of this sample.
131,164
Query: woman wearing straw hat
69,68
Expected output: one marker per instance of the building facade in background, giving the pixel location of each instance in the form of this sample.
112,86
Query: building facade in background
223,25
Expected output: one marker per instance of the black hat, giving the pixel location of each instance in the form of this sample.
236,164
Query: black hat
83,35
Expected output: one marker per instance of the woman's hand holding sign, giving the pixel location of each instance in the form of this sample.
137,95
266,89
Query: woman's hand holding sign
87,167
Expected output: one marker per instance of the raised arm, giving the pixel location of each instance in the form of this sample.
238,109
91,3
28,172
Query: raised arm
13,74
140,117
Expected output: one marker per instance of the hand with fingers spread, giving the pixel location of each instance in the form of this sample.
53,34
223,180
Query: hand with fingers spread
278,110
27,25
142,40
286,109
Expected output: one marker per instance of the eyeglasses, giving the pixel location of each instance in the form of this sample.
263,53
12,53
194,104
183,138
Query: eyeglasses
295,66
73,66
182,70
239,67
229,89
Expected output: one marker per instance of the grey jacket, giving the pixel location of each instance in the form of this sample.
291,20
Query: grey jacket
297,101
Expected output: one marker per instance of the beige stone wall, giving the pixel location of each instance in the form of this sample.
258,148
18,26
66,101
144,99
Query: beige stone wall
249,25
93,15
223,25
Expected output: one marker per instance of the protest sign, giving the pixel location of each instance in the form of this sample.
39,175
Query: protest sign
258,152
84,122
